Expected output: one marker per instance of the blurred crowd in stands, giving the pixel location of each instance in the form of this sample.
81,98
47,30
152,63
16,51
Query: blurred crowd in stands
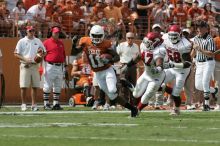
116,16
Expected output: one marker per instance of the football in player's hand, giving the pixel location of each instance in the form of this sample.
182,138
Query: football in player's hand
39,56
106,58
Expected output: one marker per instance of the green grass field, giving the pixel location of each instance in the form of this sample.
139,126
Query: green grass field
77,128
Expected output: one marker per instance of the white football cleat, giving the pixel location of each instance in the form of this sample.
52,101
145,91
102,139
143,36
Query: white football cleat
106,107
175,112
217,108
23,107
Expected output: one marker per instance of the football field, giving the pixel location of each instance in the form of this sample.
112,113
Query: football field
83,127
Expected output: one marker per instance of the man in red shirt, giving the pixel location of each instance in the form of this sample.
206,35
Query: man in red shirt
53,69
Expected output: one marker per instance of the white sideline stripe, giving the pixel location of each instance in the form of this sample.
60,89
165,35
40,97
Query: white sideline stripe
87,112
117,138
38,125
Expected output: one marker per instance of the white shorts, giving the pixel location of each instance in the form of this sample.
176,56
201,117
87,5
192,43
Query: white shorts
29,76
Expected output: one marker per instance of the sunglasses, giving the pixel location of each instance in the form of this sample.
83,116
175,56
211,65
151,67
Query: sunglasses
31,30
130,38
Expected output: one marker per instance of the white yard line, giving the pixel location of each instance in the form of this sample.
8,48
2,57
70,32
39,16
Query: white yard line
117,138
38,125
88,112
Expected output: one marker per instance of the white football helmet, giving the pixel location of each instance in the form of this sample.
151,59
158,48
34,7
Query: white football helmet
152,40
97,34
174,33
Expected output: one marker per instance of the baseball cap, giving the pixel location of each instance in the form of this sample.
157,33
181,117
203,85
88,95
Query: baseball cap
130,35
55,29
123,1
28,28
171,6
186,30
156,25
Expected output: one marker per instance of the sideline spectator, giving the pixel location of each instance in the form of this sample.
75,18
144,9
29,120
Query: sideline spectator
127,51
194,12
99,6
5,23
126,13
19,15
179,14
37,15
169,15
53,69
112,11
157,15
26,49
187,5
81,72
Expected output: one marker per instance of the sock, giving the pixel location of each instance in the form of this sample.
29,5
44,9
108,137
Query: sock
168,90
141,106
56,97
177,100
206,97
46,98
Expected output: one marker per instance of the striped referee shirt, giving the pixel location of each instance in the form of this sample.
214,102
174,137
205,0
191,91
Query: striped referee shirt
205,44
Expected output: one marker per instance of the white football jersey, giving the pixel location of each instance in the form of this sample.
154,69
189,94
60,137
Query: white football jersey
175,51
149,57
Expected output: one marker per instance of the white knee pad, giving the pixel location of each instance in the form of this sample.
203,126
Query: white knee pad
136,93
146,98
46,90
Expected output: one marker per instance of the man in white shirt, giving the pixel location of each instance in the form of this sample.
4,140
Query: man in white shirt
37,15
127,51
26,50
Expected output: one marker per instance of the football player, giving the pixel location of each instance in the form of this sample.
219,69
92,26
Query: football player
81,72
178,49
152,77
96,49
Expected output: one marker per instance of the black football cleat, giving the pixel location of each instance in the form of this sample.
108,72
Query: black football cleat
47,107
206,108
57,107
134,112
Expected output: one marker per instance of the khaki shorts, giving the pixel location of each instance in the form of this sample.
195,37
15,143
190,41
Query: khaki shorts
29,76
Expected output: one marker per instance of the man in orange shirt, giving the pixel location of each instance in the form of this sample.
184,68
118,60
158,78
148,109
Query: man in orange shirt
194,12
217,67
179,14
112,11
